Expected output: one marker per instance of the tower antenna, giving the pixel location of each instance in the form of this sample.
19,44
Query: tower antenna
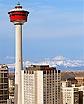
18,3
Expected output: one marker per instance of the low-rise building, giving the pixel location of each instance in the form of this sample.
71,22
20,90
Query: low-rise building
80,80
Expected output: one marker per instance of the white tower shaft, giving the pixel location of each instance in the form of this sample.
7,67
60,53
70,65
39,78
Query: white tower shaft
19,64
18,16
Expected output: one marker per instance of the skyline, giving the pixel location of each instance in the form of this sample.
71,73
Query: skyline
54,28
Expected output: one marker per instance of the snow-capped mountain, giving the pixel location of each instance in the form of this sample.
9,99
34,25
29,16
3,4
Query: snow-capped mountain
61,62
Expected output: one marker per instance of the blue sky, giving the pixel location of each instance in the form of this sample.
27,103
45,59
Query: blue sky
54,27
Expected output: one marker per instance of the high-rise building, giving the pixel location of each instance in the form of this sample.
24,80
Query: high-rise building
41,85
4,93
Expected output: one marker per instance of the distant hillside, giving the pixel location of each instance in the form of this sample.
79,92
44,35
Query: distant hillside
67,74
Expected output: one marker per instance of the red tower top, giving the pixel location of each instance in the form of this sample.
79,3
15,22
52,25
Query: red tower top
18,14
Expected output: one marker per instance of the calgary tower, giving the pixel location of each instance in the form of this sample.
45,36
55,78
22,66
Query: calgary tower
18,16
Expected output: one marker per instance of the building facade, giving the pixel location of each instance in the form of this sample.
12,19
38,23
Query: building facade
11,80
81,89
71,94
41,85
4,93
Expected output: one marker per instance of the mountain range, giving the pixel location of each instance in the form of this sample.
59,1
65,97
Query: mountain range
60,62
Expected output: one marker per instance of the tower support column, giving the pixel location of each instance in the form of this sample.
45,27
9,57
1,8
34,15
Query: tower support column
19,64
